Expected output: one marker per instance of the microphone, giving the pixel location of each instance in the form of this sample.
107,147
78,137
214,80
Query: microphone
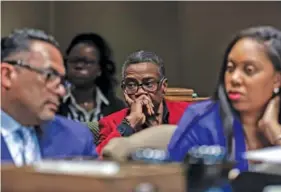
149,155
206,167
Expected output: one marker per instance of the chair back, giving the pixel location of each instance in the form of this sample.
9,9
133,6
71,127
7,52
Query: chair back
183,94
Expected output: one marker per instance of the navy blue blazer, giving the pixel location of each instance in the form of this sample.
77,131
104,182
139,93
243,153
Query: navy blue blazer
201,124
60,138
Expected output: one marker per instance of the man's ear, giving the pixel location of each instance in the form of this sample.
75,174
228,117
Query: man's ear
165,86
277,80
7,74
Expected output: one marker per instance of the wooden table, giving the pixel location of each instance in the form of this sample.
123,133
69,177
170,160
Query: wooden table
166,178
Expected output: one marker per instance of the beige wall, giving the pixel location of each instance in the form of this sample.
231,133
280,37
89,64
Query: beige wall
207,27
128,26
25,14
190,36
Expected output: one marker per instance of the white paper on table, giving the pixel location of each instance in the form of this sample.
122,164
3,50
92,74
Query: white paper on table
267,155
275,188
270,158
77,167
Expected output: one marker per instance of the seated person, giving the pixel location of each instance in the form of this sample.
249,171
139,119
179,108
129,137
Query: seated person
32,73
244,112
144,85
90,71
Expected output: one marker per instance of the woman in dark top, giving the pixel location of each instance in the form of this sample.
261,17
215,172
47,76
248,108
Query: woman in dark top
90,72
245,111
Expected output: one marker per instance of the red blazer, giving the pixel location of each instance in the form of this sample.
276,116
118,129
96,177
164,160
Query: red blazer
108,125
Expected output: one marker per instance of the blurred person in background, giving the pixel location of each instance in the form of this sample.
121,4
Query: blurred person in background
90,71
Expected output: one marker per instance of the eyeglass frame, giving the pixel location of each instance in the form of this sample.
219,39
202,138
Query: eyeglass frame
48,73
159,82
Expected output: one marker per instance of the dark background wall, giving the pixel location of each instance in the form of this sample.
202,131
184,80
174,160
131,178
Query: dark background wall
190,36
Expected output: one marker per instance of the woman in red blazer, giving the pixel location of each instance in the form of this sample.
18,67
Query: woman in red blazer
144,85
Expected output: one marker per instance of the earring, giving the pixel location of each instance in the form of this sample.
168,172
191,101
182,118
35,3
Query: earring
276,90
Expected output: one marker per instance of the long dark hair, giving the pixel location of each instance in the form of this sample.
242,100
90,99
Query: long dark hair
106,81
267,35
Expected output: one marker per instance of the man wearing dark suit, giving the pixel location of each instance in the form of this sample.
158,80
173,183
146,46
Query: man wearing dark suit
32,73
144,85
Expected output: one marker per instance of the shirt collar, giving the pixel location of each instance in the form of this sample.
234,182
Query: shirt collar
99,97
8,124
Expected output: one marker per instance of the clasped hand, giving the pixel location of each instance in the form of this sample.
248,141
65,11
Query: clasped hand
140,109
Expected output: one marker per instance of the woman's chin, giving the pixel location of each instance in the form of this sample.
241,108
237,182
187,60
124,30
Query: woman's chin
240,107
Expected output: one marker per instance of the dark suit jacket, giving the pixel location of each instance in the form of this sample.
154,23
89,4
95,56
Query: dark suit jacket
109,124
60,138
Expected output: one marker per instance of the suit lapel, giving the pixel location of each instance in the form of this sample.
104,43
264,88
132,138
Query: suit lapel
45,141
5,153
52,139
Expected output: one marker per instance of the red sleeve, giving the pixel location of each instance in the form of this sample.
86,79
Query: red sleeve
108,130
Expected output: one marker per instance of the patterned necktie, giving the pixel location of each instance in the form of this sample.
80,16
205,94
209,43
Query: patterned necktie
19,138
29,150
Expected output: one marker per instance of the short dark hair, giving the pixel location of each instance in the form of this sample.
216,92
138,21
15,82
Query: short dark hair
106,81
19,40
141,57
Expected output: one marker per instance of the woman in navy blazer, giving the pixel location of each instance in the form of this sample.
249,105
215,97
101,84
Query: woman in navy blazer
244,112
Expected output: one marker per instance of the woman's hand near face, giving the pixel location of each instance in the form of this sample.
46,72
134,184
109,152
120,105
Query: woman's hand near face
137,115
269,124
